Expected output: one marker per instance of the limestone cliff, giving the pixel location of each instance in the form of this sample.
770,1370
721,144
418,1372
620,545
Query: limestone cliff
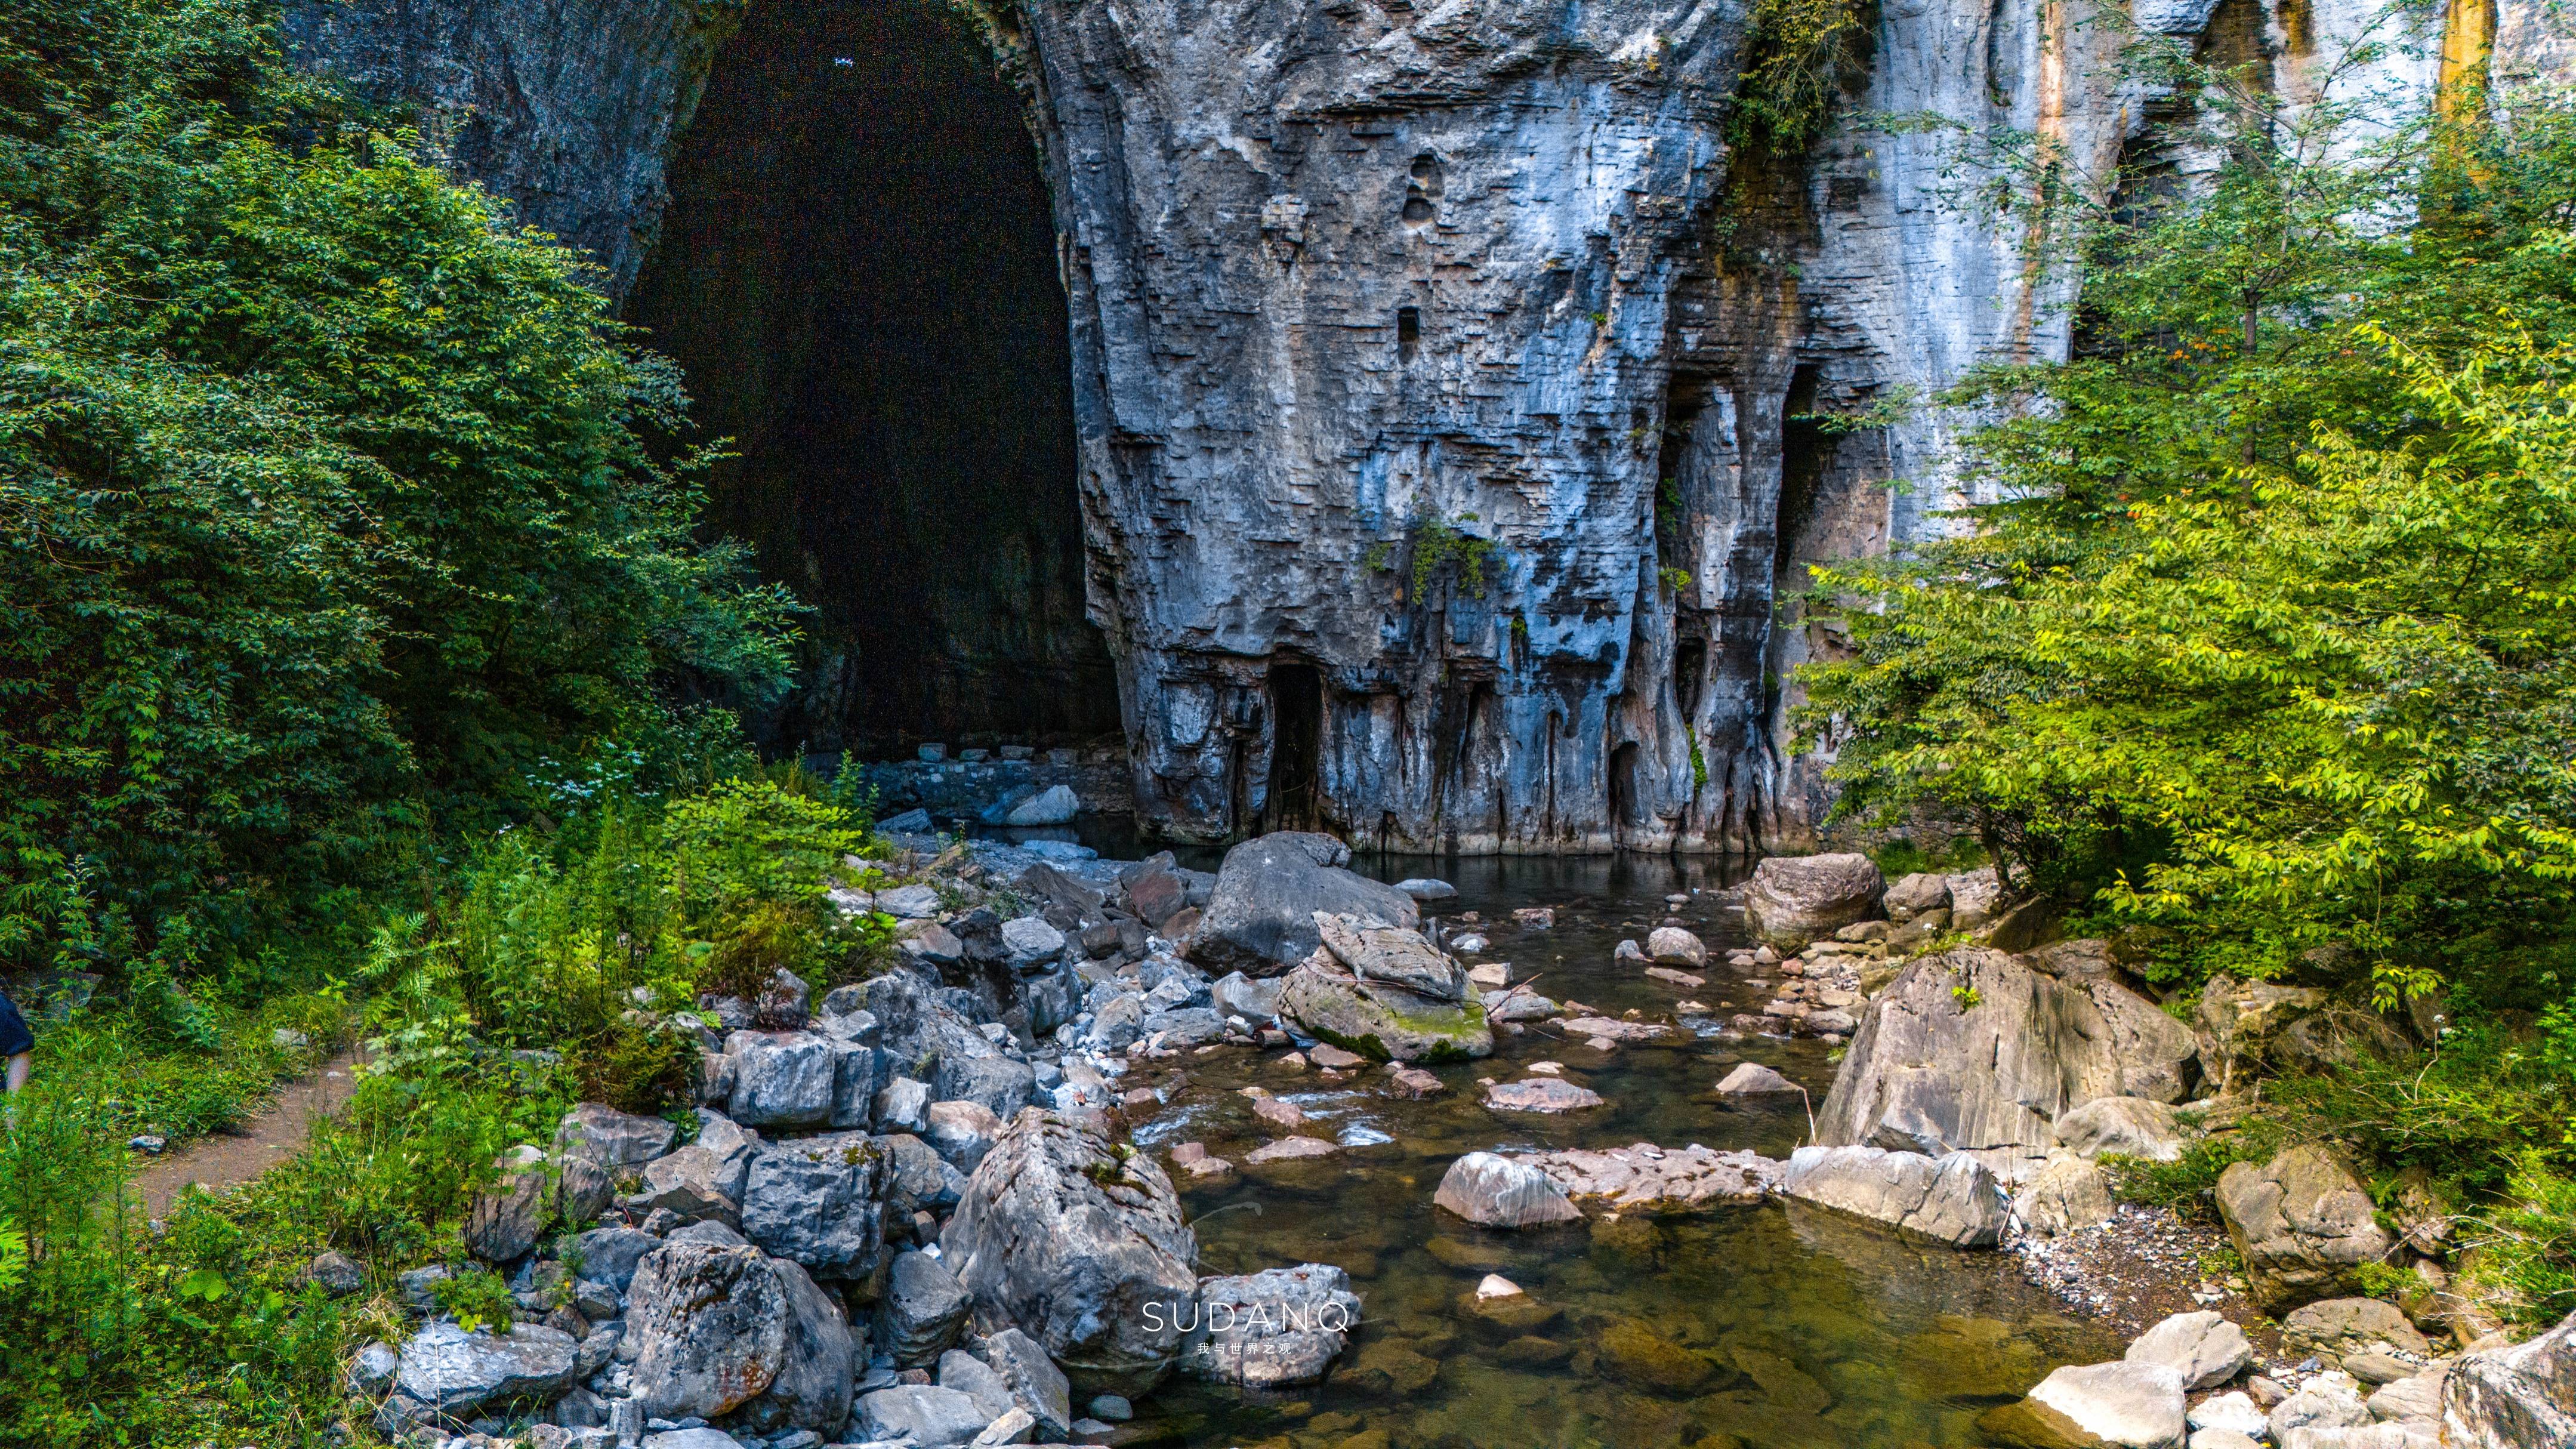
1453,403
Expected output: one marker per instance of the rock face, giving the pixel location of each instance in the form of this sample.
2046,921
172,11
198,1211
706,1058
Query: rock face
1793,899
2302,1223
1270,1329
2524,1394
1952,1199
566,110
1260,919
1071,1240
1972,1051
1381,1022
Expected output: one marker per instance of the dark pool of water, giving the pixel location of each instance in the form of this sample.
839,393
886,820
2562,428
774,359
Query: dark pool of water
1780,1328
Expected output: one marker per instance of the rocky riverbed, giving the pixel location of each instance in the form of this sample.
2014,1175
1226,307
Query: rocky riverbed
1615,1152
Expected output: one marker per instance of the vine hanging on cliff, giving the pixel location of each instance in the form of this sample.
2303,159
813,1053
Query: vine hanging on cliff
1795,55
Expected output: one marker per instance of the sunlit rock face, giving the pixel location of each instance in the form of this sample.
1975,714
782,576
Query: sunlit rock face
1457,413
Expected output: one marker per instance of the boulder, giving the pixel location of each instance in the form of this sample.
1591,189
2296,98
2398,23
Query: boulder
1951,1199
2234,1413
2329,1401
709,1325
811,1389
1541,1094
1070,1238
1394,955
917,1177
1029,943
1236,994
446,1370
2519,1395
909,903
1054,805
503,1223
1673,946
1752,1079
818,1201
1260,919
609,1255
923,1415
1793,899
1916,895
613,1139
2416,1396
695,1183
1002,1086
1424,889
1502,1192
920,1311
1646,1180
1971,1050
961,1132
2066,1194
1271,1329
974,1378
1974,897
2336,1327
2203,1347
2302,1224
2127,1126
903,1105
1379,1021
782,1078
2131,1405
1188,1026
1035,1383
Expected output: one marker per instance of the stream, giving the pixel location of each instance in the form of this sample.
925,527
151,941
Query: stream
1771,1327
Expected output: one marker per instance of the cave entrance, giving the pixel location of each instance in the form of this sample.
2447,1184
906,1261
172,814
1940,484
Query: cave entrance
1627,809
857,273
1296,799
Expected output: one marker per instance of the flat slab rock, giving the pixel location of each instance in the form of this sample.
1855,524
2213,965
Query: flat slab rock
1543,1094
1651,1179
1616,1029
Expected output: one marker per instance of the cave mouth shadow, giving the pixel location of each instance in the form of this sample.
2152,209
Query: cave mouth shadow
857,274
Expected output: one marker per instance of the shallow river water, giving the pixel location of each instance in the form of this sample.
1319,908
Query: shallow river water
1770,1326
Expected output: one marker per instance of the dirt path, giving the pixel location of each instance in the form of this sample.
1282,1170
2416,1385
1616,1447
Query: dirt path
277,1133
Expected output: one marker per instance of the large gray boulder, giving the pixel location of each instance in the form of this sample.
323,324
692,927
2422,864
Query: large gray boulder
1260,919
961,1132
2334,1328
1971,1050
1380,1021
1035,1383
1916,895
1270,1329
2302,1224
2125,1126
1392,955
446,1370
1236,994
1494,1191
609,1255
696,1182
2203,1347
1072,1239
617,1140
921,1310
918,1179
818,1201
783,1078
2065,1194
1793,899
923,1415
1951,1199
2506,1398
2128,1405
710,1327
811,1389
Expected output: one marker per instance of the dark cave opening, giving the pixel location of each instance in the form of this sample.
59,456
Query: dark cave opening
1805,450
858,274
1296,799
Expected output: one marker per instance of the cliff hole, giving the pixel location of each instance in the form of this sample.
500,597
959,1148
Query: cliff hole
857,273
1296,749
1408,332
1805,449
1626,800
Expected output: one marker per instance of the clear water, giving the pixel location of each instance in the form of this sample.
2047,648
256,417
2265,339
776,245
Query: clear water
1771,1327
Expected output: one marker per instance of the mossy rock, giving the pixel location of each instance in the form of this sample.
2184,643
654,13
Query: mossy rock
1381,1022
1632,1351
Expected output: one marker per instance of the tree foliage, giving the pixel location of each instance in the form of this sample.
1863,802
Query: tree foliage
325,518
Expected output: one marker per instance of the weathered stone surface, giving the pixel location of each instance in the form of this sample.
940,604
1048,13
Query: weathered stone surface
2518,1395
974,1378
1380,1022
1261,918
2127,1126
2333,1328
1973,1051
696,1182
1952,1199
1793,899
1035,1383
609,1255
1070,1239
2203,1347
1673,946
921,1310
920,1414
1029,943
445,1368
1270,1329
1644,1178
1054,805
1916,895
2302,1224
961,1132
818,1201
2129,1404
811,1389
710,1327
1503,1192
1392,955
1236,994
2329,1401
2065,1194
1541,1094
1752,1079
917,1177
782,1078
612,1138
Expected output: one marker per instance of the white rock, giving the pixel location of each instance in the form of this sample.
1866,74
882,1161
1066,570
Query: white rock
2133,1405
2203,1347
